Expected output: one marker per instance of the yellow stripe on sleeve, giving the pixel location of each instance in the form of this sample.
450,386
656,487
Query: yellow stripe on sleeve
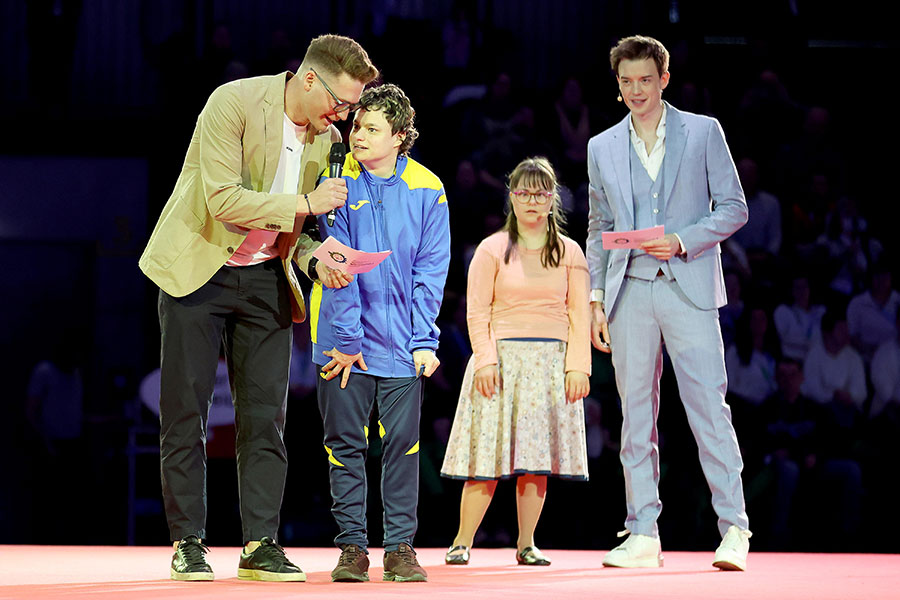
315,303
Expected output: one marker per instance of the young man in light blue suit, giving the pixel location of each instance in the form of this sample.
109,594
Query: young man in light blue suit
661,166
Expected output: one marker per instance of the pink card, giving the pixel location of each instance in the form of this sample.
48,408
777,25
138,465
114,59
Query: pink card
631,239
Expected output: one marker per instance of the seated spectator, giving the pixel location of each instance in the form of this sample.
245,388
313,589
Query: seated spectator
749,362
871,316
57,453
797,324
815,150
885,375
572,125
731,312
470,197
789,445
461,37
805,214
834,371
810,456
766,112
848,246
762,233
55,405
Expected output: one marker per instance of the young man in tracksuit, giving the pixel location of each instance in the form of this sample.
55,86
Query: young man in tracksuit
375,338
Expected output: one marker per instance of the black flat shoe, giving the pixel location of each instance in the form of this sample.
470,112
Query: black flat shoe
457,559
533,557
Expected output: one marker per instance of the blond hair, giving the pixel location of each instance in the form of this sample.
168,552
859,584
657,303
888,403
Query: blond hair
336,54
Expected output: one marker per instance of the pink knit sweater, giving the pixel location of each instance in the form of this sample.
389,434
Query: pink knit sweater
522,299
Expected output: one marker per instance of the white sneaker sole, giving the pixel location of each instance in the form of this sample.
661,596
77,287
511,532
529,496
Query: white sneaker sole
634,563
201,576
256,575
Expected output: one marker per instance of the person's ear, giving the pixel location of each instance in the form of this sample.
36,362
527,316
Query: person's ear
307,79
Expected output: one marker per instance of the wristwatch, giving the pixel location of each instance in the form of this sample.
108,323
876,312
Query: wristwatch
311,268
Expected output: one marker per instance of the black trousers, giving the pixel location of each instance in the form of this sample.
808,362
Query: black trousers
249,309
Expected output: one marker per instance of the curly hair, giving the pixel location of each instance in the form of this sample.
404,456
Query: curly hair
639,47
397,109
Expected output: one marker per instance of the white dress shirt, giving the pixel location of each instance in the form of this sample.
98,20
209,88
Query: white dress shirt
653,159
652,162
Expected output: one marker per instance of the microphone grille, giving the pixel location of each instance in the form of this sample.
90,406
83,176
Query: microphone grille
338,151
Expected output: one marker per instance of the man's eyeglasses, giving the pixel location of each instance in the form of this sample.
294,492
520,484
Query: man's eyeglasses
341,105
524,196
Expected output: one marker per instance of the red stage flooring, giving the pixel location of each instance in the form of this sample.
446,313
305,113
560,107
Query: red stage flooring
37,572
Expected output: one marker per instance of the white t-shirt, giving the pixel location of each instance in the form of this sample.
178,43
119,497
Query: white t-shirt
824,373
259,246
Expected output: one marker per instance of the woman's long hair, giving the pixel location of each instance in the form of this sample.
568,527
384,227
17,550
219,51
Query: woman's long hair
536,172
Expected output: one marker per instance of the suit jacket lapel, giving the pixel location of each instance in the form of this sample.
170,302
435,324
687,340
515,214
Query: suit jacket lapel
311,164
273,109
620,156
676,138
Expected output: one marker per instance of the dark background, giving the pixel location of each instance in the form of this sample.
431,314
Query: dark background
98,102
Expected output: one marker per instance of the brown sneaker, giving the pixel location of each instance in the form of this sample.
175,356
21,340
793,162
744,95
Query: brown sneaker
401,565
353,565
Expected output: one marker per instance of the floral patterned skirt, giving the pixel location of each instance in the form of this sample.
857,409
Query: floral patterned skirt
525,427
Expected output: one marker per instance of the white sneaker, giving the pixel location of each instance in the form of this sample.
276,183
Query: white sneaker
637,551
731,554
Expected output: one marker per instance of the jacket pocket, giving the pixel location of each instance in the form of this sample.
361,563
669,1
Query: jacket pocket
178,229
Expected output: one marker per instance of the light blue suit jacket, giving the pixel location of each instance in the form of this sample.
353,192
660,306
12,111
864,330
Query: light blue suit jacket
703,203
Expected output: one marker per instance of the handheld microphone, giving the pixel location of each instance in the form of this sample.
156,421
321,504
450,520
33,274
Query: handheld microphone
335,166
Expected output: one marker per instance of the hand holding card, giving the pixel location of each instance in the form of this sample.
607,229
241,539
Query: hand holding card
631,239
343,258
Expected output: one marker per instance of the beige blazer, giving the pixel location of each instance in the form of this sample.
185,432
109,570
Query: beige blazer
223,190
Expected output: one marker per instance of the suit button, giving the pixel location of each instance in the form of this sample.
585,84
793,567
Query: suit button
230,250
655,211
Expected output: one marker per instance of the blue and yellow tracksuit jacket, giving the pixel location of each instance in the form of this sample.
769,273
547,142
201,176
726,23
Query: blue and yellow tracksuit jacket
390,311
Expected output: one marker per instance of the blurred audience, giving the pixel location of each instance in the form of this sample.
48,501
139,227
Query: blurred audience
834,370
797,323
750,362
872,315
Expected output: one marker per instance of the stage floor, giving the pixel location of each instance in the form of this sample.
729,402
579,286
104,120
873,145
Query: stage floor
37,572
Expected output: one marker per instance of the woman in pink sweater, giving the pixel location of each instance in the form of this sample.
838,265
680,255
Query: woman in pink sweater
520,411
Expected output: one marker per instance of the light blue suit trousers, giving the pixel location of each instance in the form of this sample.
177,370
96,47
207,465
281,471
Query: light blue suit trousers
649,312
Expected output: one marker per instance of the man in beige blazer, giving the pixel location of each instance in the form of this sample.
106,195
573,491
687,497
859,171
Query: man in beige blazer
221,255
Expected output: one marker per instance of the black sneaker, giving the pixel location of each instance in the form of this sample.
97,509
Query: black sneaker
268,563
401,565
353,565
189,562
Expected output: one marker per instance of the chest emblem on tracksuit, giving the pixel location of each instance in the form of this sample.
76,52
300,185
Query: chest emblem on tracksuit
359,204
